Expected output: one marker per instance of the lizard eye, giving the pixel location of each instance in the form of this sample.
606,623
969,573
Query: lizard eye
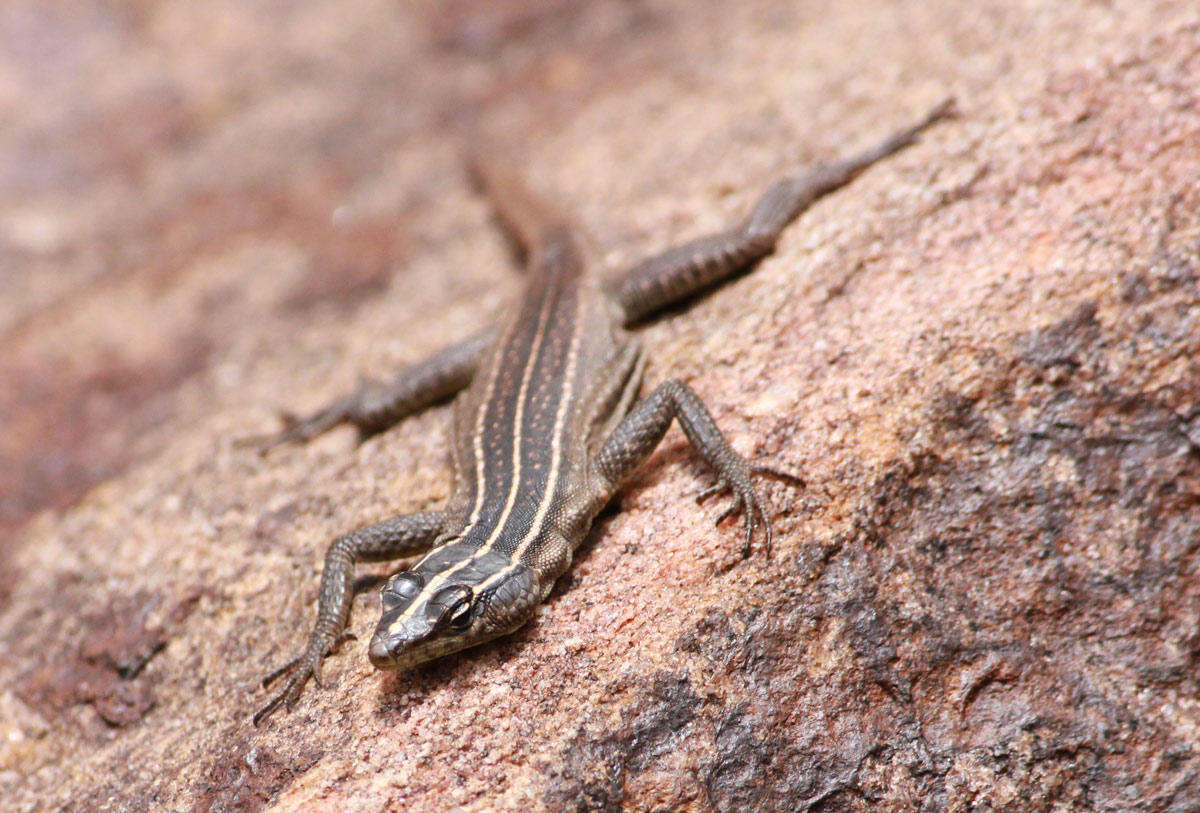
460,616
401,589
457,601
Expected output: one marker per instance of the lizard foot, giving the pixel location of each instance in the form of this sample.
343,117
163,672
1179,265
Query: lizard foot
299,671
298,430
747,501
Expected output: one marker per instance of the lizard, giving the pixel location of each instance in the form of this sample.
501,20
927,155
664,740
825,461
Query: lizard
546,426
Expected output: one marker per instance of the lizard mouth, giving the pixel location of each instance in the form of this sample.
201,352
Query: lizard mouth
401,641
404,649
381,653
392,650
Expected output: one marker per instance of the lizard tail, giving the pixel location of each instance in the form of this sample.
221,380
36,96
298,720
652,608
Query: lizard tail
539,232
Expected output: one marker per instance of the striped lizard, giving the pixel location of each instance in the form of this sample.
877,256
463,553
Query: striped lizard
546,426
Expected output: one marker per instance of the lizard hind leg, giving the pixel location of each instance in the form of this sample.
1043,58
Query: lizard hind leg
684,271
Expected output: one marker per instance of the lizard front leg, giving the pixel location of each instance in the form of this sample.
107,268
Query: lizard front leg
394,538
635,437
374,407
681,272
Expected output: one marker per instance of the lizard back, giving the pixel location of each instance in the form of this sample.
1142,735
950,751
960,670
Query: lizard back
522,428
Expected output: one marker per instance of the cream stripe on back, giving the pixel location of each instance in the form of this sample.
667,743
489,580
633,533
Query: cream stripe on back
556,456
477,439
531,362
518,418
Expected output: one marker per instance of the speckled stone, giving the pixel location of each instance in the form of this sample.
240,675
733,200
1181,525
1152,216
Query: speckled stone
982,356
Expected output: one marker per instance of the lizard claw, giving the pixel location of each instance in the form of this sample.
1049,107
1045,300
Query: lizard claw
733,508
296,429
280,672
300,671
748,502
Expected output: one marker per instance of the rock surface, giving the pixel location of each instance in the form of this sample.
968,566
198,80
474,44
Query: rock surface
982,355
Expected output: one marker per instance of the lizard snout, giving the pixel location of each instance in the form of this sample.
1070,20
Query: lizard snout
385,649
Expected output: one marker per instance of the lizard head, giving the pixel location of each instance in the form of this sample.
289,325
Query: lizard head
434,613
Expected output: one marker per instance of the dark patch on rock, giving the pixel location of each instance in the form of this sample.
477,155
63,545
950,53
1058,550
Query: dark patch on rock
467,27
595,766
117,641
711,636
271,523
1004,597
71,424
1064,343
68,429
8,576
739,759
246,777
771,748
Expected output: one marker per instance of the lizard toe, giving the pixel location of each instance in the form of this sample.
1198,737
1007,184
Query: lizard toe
280,672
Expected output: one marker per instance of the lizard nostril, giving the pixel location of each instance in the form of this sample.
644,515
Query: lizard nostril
380,653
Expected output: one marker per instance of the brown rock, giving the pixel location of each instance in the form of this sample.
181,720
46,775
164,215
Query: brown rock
981,355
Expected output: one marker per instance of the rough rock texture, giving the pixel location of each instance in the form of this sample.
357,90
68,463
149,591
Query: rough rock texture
982,356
